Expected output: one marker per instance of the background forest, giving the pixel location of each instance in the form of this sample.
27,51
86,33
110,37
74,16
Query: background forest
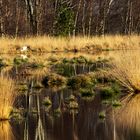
69,17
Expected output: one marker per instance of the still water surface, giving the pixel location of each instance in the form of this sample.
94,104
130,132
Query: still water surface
82,124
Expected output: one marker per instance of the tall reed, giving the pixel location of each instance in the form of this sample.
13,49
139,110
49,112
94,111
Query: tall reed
126,69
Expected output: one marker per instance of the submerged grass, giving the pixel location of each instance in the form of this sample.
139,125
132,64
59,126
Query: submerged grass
7,97
49,44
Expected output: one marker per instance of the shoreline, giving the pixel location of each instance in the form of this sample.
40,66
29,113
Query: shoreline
47,44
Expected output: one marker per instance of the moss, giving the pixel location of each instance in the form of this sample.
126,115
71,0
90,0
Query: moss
104,77
53,59
57,111
116,103
47,101
73,60
80,81
86,92
36,65
22,87
20,61
102,115
116,87
3,63
71,98
34,110
107,92
16,114
74,83
54,80
65,61
64,69
81,60
73,105
106,102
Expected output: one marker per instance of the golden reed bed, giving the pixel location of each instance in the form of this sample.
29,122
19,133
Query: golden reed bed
79,43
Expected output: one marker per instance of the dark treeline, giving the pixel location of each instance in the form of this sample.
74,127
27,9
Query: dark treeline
69,17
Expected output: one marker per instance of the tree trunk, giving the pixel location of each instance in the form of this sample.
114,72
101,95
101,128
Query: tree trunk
17,17
83,18
76,17
32,15
130,19
1,19
90,18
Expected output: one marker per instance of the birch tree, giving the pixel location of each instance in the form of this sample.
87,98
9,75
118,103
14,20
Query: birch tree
1,19
76,17
83,17
31,10
90,17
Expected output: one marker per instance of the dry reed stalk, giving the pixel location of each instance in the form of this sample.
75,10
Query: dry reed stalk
126,69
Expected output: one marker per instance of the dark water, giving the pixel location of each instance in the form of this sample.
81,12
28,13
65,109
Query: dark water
83,124
43,123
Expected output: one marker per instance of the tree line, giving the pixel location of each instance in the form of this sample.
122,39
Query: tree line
69,17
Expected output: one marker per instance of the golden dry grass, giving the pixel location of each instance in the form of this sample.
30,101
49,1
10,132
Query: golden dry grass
48,44
126,69
7,97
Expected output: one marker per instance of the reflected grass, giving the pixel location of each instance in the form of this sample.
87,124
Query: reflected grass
6,131
127,116
7,97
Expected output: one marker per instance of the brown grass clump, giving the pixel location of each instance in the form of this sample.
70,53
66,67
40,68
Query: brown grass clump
126,69
7,97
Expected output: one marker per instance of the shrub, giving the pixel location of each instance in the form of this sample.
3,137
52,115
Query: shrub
80,81
108,92
54,80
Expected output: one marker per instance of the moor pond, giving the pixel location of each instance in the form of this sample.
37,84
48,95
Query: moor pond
67,96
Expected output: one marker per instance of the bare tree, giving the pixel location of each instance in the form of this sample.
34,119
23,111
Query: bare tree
1,19
17,17
90,17
76,17
31,10
83,17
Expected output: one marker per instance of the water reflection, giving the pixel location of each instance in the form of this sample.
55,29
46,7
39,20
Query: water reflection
6,131
48,123
120,124
127,118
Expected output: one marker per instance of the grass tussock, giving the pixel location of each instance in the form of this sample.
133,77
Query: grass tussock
49,44
126,69
7,97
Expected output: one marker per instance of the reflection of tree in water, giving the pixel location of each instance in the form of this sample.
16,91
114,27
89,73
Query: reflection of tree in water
6,131
39,130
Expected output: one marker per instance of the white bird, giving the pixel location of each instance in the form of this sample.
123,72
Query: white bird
24,48
23,56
